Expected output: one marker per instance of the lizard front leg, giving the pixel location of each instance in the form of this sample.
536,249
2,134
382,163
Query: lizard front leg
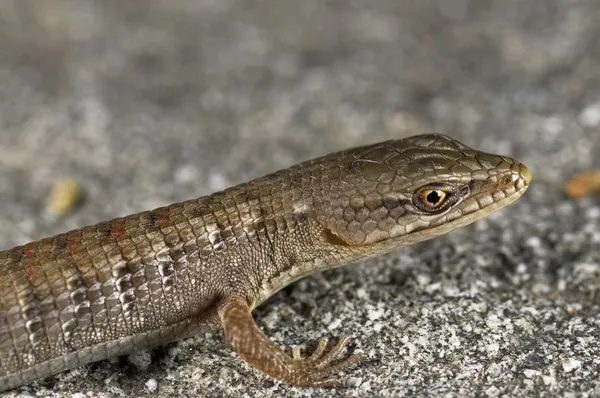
259,351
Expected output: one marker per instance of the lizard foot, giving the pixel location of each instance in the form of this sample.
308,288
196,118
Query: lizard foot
317,370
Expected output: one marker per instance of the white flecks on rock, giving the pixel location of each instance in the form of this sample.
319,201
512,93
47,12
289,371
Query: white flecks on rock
494,370
423,279
492,321
554,125
571,364
534,242
375,312
493,391
361,293
217,181
152,385
549,380
354,381
530,373
593,213
185,174
334,324
493,348
590,115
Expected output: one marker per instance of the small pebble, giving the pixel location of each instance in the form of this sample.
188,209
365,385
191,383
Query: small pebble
141,359
571,364
64,196
152,385
590,116
584,184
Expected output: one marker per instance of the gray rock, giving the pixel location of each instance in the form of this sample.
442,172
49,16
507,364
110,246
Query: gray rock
148,102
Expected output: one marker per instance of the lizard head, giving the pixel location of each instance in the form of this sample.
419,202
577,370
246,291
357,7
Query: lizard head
405,191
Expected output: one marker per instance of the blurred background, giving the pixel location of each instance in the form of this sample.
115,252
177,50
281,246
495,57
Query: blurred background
148,102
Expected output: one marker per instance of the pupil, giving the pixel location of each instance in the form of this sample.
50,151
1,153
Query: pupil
433,197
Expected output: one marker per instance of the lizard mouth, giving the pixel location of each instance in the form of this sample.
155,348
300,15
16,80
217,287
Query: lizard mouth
495,192
500,190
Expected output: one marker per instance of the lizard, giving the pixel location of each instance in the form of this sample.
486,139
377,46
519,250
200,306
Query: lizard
147,279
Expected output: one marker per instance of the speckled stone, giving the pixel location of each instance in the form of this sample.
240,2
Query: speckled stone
148,102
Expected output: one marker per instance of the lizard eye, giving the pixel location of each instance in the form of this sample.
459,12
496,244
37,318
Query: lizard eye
437,198
432,198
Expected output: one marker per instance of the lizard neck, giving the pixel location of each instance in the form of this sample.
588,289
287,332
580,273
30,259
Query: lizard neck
303,251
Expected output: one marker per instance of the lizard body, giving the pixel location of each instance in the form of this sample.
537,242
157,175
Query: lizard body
158,276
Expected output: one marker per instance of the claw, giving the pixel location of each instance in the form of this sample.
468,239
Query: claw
318,353
316,370
296,356
333,353
353,360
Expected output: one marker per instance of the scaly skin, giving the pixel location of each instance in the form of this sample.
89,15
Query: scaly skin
158,276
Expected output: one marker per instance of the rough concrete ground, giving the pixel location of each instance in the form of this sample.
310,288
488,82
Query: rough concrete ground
148,102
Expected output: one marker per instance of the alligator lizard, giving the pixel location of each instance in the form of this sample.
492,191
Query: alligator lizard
155,277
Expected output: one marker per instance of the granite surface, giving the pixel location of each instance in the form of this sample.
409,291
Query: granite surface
148,102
